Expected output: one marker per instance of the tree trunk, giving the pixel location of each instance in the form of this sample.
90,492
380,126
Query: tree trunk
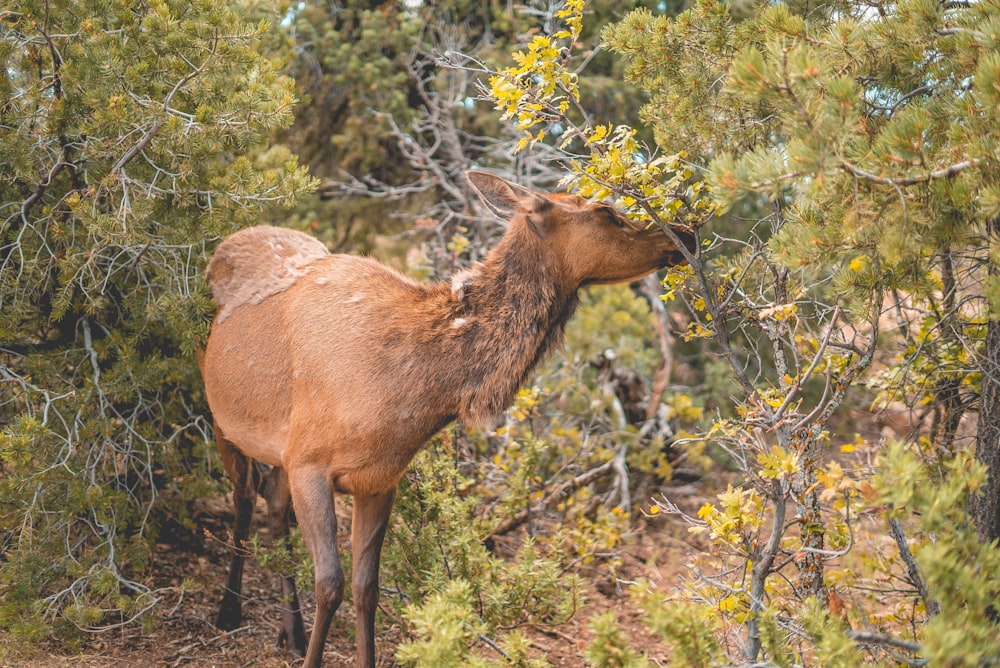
806,494
986,505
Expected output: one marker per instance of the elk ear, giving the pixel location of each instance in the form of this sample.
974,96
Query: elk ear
505,198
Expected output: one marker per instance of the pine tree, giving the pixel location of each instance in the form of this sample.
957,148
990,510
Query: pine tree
850,180
133,137
865,129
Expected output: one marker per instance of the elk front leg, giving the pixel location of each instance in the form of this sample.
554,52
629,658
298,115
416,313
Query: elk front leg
238,468
312,498
371,517
279,498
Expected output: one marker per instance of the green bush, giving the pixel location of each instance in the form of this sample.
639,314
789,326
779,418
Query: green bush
133,138
448,584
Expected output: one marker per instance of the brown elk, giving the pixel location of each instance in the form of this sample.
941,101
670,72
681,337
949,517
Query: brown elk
336,369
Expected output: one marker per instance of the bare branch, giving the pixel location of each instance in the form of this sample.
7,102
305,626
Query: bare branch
943,173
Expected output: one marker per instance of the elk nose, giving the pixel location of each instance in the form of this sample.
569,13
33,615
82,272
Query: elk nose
687,238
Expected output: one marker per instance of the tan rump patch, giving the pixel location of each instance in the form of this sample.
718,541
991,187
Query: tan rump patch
258,262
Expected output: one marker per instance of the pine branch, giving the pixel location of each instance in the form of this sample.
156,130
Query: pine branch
943,173
143,142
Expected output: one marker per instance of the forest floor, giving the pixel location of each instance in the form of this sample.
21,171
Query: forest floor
184,635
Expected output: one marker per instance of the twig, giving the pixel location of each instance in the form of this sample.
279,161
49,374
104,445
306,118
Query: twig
492,643
867,637
912,568
559,494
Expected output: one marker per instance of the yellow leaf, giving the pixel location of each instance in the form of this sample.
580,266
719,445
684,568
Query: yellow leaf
858,263
600,132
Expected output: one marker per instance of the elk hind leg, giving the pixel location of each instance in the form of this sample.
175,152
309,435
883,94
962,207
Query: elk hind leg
244,494
278,496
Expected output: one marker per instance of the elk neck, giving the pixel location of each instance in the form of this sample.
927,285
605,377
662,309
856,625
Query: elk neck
511,311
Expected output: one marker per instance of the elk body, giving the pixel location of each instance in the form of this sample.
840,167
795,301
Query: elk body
336,370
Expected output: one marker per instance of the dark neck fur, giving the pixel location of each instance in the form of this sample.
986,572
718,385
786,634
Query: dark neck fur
516,306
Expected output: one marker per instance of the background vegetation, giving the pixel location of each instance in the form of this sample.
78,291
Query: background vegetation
828,350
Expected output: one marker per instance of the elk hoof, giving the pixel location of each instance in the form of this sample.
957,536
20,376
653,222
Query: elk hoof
298,644
230,615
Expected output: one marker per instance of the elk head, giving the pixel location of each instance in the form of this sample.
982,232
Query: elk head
592,241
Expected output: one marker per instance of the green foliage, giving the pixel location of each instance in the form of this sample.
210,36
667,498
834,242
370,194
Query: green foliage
444,629
436,557
833,647
956,564
610,648
690,629
133,137
354,74
864,166
773,639
680,63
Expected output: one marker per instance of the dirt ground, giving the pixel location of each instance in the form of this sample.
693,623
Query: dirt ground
184,634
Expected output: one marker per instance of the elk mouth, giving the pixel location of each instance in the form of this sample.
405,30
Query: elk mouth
672,258
628,278
675,255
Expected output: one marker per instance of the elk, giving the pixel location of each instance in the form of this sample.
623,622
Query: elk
335,370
